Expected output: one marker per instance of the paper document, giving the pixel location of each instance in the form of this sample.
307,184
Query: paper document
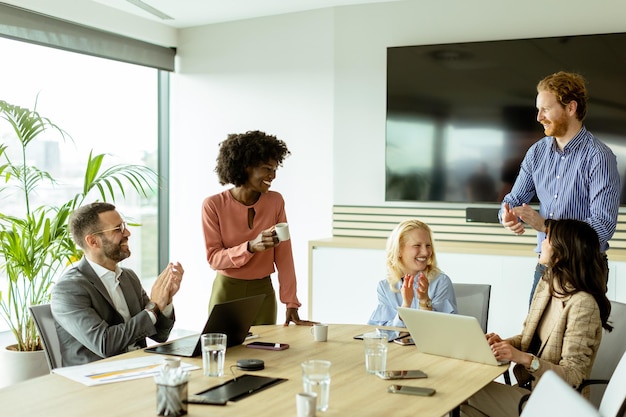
97,373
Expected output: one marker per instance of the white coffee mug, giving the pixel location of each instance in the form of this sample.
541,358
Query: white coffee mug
306,404
319,332
282,231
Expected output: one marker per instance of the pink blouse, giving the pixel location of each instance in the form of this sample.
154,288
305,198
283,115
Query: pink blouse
226,236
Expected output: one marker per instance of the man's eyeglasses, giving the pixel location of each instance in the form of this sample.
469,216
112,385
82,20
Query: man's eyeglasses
122,228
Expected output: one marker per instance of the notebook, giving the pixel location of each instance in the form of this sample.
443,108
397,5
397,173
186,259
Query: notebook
233,318
450,335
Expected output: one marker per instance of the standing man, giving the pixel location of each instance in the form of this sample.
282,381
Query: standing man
100,308
573,174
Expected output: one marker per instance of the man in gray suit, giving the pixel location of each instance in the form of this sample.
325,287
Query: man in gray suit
100,308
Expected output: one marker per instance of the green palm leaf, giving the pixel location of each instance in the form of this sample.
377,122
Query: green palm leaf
36,246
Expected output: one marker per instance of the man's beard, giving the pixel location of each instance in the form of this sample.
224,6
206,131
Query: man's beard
114,251
557,127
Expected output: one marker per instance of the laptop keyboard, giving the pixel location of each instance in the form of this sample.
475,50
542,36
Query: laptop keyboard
183,346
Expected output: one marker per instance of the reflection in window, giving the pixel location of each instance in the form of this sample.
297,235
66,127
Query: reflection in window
473,164
409,159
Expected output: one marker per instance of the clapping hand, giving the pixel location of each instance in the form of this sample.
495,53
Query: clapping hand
167,285
511,221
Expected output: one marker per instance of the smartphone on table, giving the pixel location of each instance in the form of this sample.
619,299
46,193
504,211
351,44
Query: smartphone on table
404,341
268,345
404,374
392,335
405,389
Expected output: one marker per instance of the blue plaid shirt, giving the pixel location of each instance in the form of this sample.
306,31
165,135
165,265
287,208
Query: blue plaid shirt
581,182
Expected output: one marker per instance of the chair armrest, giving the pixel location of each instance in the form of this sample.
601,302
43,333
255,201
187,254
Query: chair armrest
588,382
507,377
522,401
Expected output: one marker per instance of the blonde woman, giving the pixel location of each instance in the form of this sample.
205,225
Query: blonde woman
413,278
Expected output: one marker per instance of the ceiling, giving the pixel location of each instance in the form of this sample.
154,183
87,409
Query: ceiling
185,13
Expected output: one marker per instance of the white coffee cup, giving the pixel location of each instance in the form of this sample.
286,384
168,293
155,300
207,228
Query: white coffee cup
171,362
306,403
282,231
319,332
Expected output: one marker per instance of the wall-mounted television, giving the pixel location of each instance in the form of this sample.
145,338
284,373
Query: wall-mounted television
460,117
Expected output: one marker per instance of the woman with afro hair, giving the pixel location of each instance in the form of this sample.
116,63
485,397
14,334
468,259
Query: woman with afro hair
238,224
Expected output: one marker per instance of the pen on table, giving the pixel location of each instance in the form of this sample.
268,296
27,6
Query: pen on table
252,336
121,371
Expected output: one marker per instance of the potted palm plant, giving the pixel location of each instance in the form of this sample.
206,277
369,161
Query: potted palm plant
35,243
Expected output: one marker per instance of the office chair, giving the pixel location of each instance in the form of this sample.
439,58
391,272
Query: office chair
554,397
612,403
610,352
473,300
42,314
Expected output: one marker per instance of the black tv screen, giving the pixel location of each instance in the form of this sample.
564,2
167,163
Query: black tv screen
460,117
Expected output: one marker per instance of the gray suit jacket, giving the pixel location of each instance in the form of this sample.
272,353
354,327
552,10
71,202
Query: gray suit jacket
88,325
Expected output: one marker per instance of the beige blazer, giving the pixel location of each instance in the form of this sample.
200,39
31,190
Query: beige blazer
572,344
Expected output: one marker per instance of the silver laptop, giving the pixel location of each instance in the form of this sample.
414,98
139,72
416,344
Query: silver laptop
233,318
450,335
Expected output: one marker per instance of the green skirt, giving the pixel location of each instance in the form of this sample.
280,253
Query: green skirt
228,289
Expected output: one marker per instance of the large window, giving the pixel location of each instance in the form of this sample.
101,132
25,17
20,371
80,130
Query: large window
106,107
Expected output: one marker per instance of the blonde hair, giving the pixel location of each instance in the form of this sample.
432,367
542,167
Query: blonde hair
396,241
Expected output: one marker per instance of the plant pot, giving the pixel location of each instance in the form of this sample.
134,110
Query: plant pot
19,366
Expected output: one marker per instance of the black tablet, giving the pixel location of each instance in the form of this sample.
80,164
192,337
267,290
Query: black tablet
238,388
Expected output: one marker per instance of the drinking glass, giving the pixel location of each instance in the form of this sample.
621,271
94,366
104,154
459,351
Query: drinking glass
375,352
213,353
316,380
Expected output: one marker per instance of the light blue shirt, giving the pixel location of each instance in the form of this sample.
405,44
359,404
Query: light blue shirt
581,182
440,292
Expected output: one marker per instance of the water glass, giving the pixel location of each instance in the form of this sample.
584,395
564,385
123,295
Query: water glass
375,352
213,353
316,380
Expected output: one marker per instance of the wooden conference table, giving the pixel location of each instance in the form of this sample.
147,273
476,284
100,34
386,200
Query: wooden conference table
352,391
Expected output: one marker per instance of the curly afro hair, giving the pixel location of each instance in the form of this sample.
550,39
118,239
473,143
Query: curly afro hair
247,150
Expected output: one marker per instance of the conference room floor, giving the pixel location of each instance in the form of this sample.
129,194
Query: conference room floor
352,390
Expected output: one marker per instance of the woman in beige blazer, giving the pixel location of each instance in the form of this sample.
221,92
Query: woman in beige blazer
563,328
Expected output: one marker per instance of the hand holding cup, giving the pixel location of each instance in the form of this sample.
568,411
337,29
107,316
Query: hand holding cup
282,231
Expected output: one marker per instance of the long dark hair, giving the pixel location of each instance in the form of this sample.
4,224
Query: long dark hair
577,263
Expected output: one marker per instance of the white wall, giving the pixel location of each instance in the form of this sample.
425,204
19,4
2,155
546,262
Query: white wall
317,80
273,74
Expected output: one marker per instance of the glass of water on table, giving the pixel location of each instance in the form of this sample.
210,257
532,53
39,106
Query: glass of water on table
316,380
375,352
213,353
